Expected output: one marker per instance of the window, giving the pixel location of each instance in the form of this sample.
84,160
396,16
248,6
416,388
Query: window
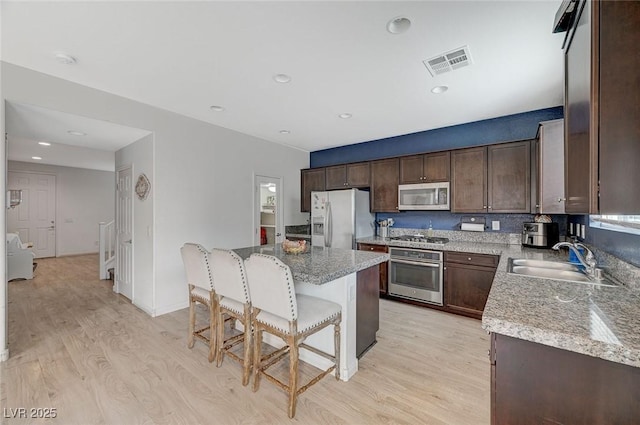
616,223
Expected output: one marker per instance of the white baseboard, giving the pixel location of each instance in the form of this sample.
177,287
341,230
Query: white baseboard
73,254
4,355
146,308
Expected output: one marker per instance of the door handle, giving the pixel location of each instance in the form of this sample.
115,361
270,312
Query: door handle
129,241
52,227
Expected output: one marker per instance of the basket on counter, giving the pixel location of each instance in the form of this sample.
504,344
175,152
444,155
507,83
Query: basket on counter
294,247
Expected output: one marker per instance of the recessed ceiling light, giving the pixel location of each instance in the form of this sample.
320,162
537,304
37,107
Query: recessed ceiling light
36,157
398,25
64,58
439,89
44,143
345,116
284,132
216,108
76,133
281,78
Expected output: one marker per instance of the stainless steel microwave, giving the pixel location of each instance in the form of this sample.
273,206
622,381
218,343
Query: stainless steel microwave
423,196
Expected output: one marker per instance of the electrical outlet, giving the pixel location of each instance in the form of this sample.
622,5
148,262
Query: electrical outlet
582,231
571,229
495,225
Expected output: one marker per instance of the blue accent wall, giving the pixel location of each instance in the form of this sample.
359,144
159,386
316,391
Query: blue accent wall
497,130
445,220
624,246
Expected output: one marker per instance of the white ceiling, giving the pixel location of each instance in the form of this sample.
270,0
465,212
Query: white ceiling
186,56
27,125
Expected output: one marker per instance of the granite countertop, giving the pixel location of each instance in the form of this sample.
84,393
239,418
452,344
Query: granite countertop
319,265
594,320
298,235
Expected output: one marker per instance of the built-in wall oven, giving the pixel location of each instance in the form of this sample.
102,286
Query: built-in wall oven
416,274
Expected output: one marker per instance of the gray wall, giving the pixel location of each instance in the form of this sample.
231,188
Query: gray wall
83,199
203,174
139,156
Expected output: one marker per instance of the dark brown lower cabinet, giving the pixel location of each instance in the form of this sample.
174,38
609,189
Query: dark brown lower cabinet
467,282
534,384
367,309
384,267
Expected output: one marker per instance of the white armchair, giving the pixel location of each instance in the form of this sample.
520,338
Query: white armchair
19,258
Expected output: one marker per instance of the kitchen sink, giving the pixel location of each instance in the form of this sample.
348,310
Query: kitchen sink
553,265
556,270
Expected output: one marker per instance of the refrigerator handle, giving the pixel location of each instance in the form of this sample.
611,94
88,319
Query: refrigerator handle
328,225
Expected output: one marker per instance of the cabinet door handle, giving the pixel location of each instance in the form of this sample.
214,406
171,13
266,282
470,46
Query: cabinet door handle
489,206
469,259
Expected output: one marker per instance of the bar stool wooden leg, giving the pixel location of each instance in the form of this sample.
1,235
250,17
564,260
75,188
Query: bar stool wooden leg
293,375
212,328
257,351
192,319
246,366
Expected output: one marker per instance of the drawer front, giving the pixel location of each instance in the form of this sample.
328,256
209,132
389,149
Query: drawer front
472,259
372,247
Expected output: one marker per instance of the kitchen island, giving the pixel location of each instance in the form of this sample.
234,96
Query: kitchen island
344,277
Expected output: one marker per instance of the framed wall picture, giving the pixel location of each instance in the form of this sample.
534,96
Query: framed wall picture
143,186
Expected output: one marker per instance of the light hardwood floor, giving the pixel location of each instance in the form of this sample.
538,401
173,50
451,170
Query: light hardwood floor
89,353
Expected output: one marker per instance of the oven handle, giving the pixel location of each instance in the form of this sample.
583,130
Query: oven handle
416,263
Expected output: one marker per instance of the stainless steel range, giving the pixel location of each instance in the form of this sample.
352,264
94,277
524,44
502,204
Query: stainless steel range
420,238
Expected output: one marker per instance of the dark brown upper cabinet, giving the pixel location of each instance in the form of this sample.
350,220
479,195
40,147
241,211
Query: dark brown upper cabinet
509,178
602,111
384,185
426,168
494,178
347,176
469,180
311,179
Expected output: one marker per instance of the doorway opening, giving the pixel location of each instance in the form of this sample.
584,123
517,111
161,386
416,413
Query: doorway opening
268,218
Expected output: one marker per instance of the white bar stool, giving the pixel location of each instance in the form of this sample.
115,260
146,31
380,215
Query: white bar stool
232,300
278,310
196,261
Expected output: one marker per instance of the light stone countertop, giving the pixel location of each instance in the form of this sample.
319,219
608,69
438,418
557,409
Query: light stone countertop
319,265
594,320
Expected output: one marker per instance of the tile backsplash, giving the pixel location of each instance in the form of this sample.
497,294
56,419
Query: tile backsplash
445,220
462,236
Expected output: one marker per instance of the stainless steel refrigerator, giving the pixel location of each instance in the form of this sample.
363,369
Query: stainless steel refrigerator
339,217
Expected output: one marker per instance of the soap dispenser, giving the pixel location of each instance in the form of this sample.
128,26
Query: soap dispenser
430,231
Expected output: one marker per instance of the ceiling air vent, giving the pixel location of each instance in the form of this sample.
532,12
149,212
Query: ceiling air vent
449,61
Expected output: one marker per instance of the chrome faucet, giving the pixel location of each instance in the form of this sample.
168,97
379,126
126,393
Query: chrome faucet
588,260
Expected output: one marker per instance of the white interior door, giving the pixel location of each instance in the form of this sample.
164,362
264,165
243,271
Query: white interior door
35,218
268,216
124,233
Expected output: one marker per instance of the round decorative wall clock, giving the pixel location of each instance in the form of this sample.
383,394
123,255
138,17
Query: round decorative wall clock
143,186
